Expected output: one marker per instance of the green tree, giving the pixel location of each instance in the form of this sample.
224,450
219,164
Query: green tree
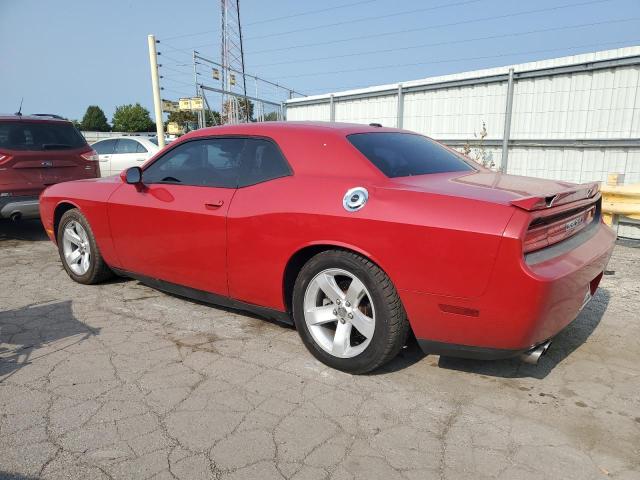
182,117
132,118
94,120
242,107
271,117
212,118
188,120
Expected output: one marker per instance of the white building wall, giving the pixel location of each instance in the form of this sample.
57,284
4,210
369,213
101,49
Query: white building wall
319,112
381,110
457,113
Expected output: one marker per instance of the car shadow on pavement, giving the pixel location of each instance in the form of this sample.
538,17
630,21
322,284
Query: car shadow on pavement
562,345
24,331
25,230
15,476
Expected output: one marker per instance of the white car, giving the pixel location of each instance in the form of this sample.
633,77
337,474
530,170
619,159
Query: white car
119,153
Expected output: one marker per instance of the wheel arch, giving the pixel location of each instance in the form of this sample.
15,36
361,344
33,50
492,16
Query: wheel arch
62,207
301,256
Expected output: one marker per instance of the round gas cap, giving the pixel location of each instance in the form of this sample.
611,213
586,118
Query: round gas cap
355,199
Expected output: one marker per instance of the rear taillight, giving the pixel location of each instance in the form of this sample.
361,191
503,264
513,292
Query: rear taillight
91,155
543,234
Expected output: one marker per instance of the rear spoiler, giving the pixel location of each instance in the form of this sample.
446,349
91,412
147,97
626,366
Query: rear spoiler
541,202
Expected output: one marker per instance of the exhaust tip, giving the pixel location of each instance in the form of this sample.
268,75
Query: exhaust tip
532,357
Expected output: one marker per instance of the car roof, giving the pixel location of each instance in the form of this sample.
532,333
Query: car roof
278,128
128,137
45,118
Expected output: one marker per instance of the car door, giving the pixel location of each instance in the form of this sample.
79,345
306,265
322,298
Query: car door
105,149
126,155
173,227
261,224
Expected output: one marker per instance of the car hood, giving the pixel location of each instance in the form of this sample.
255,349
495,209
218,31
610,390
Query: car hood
496,187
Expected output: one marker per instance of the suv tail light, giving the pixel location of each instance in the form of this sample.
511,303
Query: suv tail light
91,155
546,232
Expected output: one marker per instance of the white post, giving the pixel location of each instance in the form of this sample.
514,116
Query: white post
155,86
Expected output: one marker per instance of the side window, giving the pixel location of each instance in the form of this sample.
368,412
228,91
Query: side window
211,162
140,148
262,161
126,145
105,147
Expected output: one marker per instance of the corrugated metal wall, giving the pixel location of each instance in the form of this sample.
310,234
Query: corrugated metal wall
573,118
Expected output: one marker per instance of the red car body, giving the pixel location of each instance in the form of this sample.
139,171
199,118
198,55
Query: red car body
452,243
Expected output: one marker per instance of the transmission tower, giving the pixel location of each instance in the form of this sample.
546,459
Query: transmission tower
233,77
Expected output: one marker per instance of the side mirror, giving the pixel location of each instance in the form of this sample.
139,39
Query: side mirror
133,176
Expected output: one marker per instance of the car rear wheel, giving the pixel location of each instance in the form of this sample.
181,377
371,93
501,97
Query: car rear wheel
347,312
78,249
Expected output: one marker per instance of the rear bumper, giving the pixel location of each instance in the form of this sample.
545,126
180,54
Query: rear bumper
527,302
22,207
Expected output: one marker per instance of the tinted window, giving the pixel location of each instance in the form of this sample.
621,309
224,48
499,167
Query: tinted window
405,154
125,145
25,135
104,147
140,148
207,162
261,161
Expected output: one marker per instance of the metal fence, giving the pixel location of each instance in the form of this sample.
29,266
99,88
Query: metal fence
574,118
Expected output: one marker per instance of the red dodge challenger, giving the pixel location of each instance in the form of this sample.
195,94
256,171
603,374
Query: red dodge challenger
356,234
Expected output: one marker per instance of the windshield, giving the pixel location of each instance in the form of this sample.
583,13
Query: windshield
405,154
24,135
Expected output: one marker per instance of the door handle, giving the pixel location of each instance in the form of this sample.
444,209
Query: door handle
214,205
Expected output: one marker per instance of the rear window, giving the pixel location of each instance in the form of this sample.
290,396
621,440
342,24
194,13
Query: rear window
406,154
24,135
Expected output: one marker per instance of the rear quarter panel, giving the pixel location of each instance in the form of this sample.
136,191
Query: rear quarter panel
424,242
90,197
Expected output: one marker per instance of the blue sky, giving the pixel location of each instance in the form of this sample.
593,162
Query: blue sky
63,55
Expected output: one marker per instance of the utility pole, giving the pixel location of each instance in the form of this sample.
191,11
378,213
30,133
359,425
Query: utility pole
197,92
232,56
155,86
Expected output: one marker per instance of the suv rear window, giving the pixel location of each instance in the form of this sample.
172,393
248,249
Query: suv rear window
25,135
406,154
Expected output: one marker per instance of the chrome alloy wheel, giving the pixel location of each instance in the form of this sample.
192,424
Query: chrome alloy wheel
76,248
339,313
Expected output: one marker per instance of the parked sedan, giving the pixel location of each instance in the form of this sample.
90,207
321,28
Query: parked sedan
358,235
119,153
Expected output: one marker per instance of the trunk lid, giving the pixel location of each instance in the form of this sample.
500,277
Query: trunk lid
523,192
557,210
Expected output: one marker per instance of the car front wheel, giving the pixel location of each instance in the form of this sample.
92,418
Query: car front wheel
78,249
347,312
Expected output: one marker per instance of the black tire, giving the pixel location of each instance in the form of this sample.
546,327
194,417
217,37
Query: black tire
98,270
391,325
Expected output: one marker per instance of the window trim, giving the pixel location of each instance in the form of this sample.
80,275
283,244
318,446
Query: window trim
175,145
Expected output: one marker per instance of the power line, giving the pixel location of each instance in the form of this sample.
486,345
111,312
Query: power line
451,42
312,12
274,19
429,27
449,60
365,19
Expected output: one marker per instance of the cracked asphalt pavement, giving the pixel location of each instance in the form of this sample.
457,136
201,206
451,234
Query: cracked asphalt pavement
123,381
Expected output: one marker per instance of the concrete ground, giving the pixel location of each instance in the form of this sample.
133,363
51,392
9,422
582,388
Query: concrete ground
122,381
